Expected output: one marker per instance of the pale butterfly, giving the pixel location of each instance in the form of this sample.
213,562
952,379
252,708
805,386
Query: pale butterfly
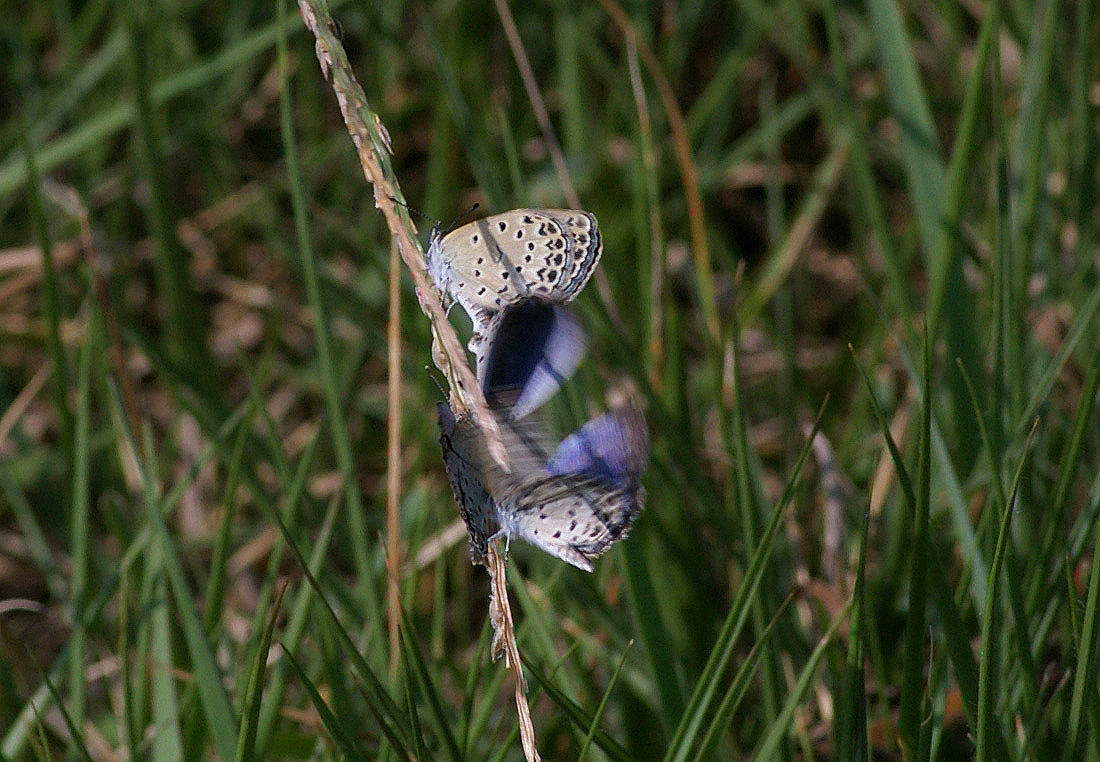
573,504
490,263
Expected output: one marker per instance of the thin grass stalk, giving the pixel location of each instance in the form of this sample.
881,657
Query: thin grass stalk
250,715
684,740
989,669
920,153
538,105
783,311
100,273
372,145
853,738
582,755
457,112
8,420
1042,386
571,39
739,686
541,633
1004,310
80,532
956,635
343,736
511,157
652,305
394,396
127,719
576,715
641,587
553,147
51,303
960,169
216,583
416,668
781,726
389,717
1084,673
420,749
218,713
1085,142
500,612
168,741
78,749
745,501
1032,136
1070,462
183,318
913,692
299,610
61,108
689,171
782,261
870,198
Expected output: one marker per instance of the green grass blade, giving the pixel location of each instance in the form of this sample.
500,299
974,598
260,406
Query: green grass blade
702,698
51,305
853,737
246,739
80,527
394,725
781,727
414,662
920,152
989,669
913,690
575,714
738,687
343,736
649,621
583,754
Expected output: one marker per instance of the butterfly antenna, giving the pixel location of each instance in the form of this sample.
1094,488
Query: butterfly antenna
435,223
460,217
439,384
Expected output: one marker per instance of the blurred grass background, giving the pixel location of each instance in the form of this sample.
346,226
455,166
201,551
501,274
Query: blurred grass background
910,190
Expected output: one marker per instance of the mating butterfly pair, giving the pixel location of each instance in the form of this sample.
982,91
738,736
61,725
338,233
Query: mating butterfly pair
513,273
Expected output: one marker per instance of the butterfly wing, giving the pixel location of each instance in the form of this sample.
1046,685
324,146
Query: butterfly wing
612,448
477,481
583,234
463,459
573,505
532,347
590,494
571,516
490,263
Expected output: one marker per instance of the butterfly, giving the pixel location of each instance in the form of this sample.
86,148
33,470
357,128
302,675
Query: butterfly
488,264
573,504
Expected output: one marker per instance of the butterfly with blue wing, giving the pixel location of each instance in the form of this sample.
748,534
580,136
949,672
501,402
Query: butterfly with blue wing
573,503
